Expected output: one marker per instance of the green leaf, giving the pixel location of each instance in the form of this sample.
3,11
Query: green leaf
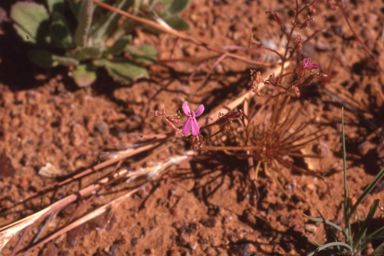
60,32
85,53
329,245
118,46
111,21
123,71
42,58
31,21
367,190
56,6
65,61
84,23
143,53
326,222
84,75
359,236
177,23
178,6
314,241
379,250
374,235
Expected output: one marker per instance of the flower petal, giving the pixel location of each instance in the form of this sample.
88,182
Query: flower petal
187,125
195,127
306,62
315,66
186,109
199,110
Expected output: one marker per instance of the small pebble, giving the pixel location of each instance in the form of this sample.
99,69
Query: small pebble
233,237
241,249
210,251
50,249
209,223
192,245
6,167
364,147
249,218
227,219
102,128
50,171
159,201
91,123
310,228
203,241
174,252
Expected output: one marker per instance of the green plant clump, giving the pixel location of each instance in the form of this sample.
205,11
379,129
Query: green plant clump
80,34
354,242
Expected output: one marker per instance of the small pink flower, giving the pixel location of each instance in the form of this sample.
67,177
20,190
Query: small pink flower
307,64
191,122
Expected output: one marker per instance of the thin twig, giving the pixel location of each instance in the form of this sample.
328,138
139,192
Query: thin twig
220,59
353,30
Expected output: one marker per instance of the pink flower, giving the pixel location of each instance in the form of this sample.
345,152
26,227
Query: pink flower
307,64
191,122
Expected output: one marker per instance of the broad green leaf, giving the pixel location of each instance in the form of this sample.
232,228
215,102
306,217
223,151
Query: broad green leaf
84,23
65,61
42,58
60,32
123,71
178,6
110,23
177,23
85,53
31,21
84,75
143,53
118,46
56,6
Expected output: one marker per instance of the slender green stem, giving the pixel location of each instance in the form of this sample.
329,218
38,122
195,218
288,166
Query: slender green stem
329,245
347,216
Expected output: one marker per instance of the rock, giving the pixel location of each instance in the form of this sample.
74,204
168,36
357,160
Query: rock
50,171
310,228
6,167
209,223
241,249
